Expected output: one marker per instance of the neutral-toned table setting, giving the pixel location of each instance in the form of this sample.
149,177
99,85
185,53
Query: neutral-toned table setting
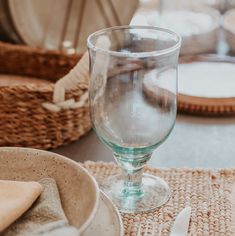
122,125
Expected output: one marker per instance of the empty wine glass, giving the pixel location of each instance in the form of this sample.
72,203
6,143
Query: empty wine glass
133,106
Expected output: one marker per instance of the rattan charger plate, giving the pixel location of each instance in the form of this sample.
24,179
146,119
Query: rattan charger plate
209,193
208,87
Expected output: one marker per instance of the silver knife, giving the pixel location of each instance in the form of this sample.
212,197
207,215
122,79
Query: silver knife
181,223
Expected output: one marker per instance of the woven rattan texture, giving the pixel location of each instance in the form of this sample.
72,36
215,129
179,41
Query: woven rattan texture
23,119
207,192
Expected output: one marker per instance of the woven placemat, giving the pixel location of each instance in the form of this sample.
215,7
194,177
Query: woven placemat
208,192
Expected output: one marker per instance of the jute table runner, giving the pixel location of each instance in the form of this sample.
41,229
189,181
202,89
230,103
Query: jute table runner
210,194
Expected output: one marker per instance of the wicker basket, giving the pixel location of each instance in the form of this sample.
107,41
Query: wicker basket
23,119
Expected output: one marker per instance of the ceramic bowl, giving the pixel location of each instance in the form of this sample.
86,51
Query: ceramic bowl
198,36
203,42
229,28
78,190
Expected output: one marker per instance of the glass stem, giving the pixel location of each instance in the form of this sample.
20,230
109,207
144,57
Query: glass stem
132,169
133,183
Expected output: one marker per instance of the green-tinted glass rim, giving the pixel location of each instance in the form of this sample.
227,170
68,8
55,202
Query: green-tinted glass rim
134,54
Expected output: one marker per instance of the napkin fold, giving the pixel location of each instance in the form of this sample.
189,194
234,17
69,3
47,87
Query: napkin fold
16,197
46,216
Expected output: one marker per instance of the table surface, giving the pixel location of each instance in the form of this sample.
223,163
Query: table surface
194,142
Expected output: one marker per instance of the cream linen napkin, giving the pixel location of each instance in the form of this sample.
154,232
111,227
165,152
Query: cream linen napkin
46,216
16,197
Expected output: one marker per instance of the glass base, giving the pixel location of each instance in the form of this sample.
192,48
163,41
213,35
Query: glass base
154,193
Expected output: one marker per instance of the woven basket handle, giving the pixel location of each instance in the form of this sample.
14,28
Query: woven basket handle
70,81
76,75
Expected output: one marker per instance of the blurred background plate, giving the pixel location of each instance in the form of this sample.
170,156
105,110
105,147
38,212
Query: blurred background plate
207,85
198,25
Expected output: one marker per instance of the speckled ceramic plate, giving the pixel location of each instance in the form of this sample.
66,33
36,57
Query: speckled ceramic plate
107,220
79,192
